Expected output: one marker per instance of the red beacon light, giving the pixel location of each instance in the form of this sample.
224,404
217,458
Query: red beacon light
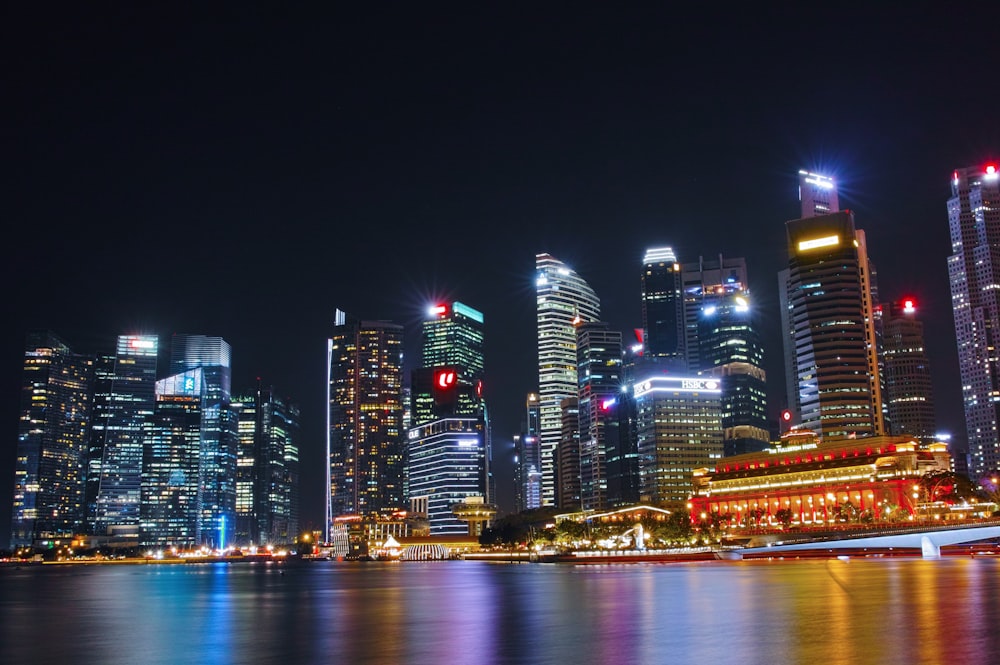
909,306
991,172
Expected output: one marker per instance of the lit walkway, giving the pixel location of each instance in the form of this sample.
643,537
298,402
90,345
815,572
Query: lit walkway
929,541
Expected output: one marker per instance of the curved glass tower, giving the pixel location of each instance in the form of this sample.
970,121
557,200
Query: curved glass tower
563,300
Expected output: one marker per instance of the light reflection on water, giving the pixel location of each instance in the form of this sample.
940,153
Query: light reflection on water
909,611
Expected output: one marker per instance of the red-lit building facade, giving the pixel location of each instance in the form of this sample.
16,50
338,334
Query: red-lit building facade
818,482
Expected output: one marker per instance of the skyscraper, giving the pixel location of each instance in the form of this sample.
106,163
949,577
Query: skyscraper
909,393
129,410
171,464
267,486
599,370
817,194
365,419
217,464
974,271
563,299
678,430
663,307
829,328
448,448
528,460
52,441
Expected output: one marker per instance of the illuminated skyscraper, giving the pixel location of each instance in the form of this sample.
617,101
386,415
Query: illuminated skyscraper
974,270
171,463
267,481
909,393
599,370
129,410
365,419
663,307
448,447
52,441
563,299
528,459
722,340
817,194
829,328
678,430
217,464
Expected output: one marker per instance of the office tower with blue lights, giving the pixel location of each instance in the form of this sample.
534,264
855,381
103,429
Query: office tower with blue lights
909,392
267,479
528,459
171,464
448,447
52,441
599,372
127,411
365,436
563,299
723,341
217,471
678,425
663,322
828,325
974,272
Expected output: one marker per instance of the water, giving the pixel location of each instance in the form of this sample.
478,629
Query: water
882,611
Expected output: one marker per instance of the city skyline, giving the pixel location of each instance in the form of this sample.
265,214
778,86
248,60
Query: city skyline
218,178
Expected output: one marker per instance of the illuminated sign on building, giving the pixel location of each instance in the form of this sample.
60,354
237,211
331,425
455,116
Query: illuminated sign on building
444,378
825,241
672,384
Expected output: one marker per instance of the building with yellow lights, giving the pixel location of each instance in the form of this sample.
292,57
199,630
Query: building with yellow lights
805,481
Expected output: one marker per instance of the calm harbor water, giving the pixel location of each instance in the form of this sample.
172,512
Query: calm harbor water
882,611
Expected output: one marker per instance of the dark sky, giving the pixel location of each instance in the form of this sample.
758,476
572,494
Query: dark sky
244,174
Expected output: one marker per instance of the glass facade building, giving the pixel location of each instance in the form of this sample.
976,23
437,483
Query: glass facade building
171,464
217,470
365,436
563,299
448,448
128,409
678,429
53,431
828,323
599,371
974,272
909,392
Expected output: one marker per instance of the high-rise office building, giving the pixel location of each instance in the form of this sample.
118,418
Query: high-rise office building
599,371
909,392
129,408
567,457
722,340
267,480
365,436
678,429
817,194
828,324
52,441
563,300
528,459
448,447
731,350
974,271
171,464
217,464
663,308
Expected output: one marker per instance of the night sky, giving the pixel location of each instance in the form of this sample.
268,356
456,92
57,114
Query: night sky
245,174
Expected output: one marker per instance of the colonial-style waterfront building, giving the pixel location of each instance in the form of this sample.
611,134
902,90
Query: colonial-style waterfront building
818,482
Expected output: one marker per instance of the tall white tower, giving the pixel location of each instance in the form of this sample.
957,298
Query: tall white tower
563,299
